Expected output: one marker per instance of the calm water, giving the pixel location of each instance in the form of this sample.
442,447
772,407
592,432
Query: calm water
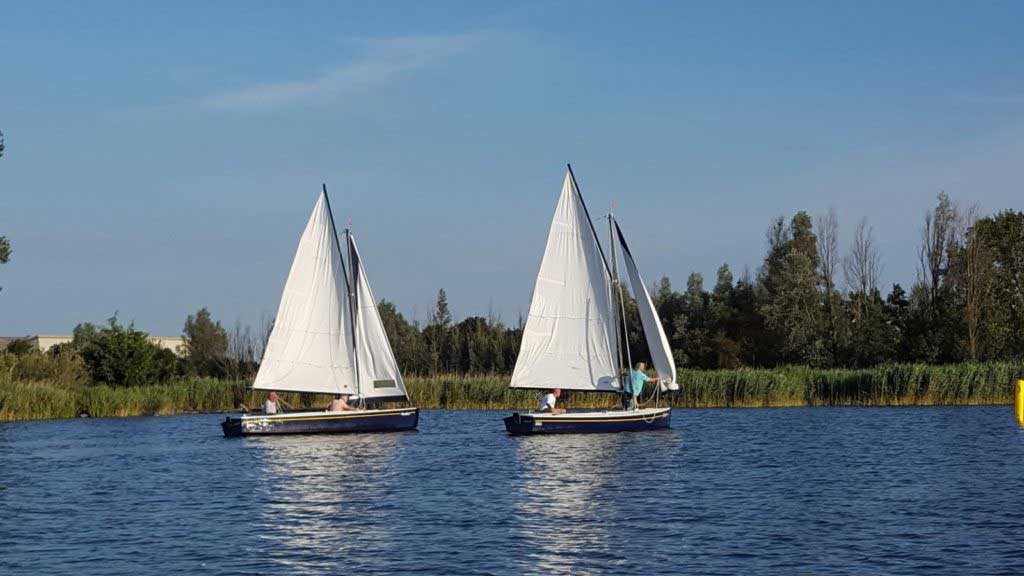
783,491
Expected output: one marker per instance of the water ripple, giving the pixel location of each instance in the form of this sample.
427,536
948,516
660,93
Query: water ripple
791,491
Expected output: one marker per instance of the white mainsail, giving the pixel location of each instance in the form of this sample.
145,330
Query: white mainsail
567,340
661,353
309,349
379,376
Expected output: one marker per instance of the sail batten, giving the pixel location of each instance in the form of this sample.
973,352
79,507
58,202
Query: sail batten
309,346
657,343
567,338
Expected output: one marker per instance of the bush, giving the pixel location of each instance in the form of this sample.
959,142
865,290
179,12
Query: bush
65,367
20,346
122,356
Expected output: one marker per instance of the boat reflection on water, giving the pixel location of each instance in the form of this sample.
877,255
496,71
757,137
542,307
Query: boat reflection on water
567,496
322,500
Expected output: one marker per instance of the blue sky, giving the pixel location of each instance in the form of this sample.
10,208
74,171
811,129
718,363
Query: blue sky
166,157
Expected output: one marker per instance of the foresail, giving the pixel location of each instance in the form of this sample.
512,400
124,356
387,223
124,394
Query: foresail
661,353
568,334
309,349
379,376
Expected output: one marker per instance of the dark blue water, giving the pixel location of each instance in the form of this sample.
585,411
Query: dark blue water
777,491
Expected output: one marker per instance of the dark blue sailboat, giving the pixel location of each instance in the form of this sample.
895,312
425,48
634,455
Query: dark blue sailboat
573,338
394,420
328,338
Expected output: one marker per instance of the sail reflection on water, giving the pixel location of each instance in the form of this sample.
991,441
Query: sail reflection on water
322,496
567,494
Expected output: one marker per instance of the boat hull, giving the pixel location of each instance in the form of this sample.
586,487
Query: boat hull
589,422
396,420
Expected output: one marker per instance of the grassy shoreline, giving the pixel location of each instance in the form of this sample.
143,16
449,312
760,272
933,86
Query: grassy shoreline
887,385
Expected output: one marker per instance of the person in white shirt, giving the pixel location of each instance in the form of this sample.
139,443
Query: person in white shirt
547,404
270,406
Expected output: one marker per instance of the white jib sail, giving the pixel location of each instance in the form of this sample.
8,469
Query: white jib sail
379,376
661,353
568,334
309,349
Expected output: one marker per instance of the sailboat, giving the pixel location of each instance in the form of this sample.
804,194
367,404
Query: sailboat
328,338
573,338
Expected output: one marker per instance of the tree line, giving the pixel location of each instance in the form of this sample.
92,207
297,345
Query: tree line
811,302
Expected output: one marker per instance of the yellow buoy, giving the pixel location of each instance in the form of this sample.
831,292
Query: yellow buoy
1020,402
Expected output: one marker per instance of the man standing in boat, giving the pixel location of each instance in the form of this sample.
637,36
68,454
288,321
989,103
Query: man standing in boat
547,404
635,385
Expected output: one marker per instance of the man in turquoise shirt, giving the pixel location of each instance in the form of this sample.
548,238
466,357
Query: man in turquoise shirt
635,385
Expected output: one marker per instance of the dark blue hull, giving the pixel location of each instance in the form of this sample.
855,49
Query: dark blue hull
396,420
588,422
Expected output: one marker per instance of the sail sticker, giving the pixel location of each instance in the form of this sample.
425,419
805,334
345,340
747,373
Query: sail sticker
384,384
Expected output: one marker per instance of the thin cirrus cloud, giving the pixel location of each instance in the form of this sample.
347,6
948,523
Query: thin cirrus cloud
380,61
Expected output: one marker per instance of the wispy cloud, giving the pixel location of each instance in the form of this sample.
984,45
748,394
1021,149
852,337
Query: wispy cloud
379,61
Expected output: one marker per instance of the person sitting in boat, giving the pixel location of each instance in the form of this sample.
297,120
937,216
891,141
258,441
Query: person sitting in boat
270,406
547,404
635,385
339,404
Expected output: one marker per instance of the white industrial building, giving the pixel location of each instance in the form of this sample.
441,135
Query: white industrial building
43,342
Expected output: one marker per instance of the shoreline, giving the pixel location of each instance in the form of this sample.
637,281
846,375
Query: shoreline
521,409
898,385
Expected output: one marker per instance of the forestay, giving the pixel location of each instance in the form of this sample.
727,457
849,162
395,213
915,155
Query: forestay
379,376
567,338
309,349
661,353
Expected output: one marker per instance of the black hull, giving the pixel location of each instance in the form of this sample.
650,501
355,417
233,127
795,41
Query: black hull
583,423
397,420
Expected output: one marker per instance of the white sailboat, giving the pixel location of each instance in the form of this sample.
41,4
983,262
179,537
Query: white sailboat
328,338
572,339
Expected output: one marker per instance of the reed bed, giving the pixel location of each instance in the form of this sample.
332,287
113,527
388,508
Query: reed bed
887,385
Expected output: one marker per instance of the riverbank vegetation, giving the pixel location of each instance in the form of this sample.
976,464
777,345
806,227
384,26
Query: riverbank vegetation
888,385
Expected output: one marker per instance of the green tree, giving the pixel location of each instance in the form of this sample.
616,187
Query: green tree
694,329
405,339
726,318
206,344
438,335
792,303
119,355
1000,266
896,314
935,328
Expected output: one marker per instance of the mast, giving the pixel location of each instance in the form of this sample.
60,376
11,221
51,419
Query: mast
621,315
615,289
353,302
622,312
348,284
